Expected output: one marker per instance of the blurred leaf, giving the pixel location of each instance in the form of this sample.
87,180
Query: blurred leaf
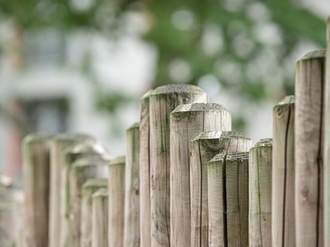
254,91
111,101
239,123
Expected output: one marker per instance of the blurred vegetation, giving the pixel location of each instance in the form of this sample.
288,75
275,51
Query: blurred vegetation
244,45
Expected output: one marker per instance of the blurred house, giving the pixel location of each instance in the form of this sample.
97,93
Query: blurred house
51,93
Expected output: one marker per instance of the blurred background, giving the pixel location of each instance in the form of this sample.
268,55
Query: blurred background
81,65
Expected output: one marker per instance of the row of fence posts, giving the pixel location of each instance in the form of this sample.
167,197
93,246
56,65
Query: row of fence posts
187,179
180,157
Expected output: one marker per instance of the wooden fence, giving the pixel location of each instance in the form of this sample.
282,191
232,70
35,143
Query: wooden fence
187,178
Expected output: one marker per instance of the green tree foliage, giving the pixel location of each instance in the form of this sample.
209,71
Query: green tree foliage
250,47
183,30
245,45
61,14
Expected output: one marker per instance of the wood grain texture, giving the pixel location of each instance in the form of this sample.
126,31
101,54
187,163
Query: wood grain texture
100,218
58,144
145,231
327,142
71,155
309,90
237,199
217,201
228,199
88,188
202,149
81,170
116,193
36,174
260,194
283,200
186,122
162,102
132,197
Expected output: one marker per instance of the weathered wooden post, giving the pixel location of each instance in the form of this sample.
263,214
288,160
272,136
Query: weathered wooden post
100,218
327,143
202,149
186,122
9,228
6,216
7,237
116,195
162,102
88,188
82,170
309,90
283,202
228,199
260,194
36,174
71,154
58,145
132,198
11,203
145,232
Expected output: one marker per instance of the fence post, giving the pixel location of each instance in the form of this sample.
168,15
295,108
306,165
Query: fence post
327,143
100,218
11,203
132,198
309,90
186,122
202,149
260,194
58,145
283,202
72,154
82,170
36,174
88,188
228,199
145,232
162,102
116,195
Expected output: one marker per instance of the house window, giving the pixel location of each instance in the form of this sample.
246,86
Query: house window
49,115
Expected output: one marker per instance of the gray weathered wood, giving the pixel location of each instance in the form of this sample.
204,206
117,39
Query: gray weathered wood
216,201
36,174
186,122
88,188
228,199
11,203
283,202
100,218
72,154
81,170
237,199
116,195
327,143
145,233
8,225
162,102
260,194
132,197
309,90
202,149
58,145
